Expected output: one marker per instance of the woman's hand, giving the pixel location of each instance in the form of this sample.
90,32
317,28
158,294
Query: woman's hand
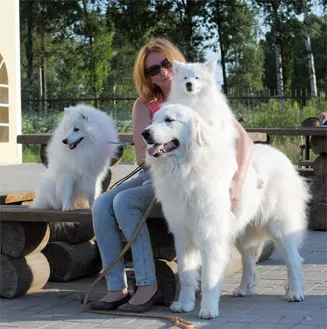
235,191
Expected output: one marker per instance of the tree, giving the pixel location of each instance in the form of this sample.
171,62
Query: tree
274,15
236,29
39,33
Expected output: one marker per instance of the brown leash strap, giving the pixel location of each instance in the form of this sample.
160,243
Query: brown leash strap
178,322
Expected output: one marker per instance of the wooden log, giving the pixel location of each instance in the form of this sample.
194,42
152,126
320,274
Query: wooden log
318,217
265,251
319,144
320,165
72,233
318,188
15,213
167,278
16,198
69,262
20,239
23,275
162,240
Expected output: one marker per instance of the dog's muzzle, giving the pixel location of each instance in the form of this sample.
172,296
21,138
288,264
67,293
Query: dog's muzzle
74,144
157,149
146,134
189,86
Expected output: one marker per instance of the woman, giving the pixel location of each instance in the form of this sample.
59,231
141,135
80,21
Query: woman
124,206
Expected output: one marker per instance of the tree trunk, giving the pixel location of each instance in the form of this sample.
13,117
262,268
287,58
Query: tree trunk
222,52
43,88
278,56
29,56
189,14
311,64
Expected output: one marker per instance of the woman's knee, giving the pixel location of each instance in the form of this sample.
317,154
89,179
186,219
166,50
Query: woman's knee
101,209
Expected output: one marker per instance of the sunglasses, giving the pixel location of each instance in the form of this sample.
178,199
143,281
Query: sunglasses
155,69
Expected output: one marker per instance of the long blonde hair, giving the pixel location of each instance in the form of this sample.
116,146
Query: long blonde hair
146,90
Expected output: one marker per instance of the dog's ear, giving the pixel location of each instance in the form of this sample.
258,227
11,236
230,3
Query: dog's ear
199,131
211,66
84,116
176,66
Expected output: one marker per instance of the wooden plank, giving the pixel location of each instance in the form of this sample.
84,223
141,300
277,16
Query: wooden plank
18,213
33,139
16,197
259,137
45,138
292,131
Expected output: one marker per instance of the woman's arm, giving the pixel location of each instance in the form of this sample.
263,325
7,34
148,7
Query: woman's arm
141,119
244,147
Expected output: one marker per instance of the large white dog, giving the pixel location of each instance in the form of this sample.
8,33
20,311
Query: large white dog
79,155
193,165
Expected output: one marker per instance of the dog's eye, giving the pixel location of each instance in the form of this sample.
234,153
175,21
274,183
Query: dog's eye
196,77
76,129
169,120
185,78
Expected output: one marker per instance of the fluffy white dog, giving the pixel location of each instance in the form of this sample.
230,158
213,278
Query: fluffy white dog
79,155
194,85
192,166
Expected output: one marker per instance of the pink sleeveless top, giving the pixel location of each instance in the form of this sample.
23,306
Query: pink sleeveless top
155,105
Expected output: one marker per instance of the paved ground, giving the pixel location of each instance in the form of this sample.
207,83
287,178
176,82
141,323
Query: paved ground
57,306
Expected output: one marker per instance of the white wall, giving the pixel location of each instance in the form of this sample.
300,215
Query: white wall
10,152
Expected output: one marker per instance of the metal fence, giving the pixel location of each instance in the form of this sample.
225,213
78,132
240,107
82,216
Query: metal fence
120,108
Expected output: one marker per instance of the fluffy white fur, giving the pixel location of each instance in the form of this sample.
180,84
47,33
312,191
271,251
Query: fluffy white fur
192,166
75,168
194,85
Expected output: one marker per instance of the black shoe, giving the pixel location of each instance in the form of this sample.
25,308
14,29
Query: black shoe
108,306
140,308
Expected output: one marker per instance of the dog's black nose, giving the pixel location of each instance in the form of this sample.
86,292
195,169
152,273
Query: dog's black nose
65,141
189,86
146,134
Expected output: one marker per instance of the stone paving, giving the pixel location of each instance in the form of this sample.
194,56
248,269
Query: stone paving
58,306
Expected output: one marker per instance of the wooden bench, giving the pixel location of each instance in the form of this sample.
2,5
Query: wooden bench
25,269
25,249
28,239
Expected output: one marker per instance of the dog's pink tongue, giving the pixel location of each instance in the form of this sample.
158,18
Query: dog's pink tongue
155,149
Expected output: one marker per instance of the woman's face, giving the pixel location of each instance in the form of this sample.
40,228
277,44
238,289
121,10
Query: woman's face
163,77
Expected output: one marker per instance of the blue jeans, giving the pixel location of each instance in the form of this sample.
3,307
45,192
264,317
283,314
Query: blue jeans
123,208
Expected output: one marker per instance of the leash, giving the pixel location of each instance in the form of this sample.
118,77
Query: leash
177,321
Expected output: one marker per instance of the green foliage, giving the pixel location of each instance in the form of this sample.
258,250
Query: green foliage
32,124
247,71
270,115
129,155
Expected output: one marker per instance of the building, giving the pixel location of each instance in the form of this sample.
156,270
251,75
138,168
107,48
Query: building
10,92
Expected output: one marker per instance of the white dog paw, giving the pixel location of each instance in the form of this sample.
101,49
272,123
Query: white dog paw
67,207
179,307
208,313
238,292
295,296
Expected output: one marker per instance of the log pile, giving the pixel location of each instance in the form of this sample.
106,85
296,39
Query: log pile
23,267
72,252
318,205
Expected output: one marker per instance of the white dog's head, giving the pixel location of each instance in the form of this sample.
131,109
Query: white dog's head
83,122
176,129
75,126
193,78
